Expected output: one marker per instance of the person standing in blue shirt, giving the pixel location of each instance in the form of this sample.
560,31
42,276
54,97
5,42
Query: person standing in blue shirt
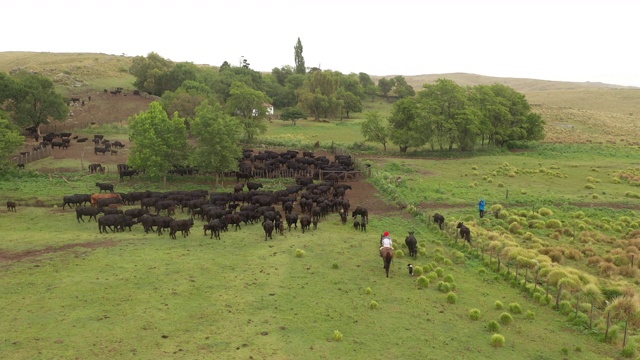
481,206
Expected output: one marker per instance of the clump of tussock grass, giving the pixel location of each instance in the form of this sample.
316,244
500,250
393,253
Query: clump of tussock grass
506,318
515,308
474,314
373,305
337,335
545,212
493,326
497,340
452,298
300,253
423,282
498,305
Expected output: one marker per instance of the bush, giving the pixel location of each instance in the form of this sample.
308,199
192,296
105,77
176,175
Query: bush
418,271
452,298
474,314
334,266
444,287
399,254
423,282
337,335
497,340
498,305
565,307
367,290
493,326
553,224
515,308
589,186
299,253
629,350
439,271
530,315
482,271
373,304
432,276
545,212
506,318
448,278
500,184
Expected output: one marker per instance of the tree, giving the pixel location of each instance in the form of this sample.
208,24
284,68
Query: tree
149,72
373,129
299,59
248,103
158,141
218,137
318,94
385,85
593,295
186,99
351,103
405,122
624,308
293,114
10,140
367,84
401,88
35,101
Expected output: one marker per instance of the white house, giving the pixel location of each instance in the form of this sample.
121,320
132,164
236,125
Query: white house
268,111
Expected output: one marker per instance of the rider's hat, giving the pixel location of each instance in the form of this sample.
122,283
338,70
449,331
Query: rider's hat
386,233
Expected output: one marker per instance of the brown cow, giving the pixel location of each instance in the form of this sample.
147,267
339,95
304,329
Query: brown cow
96,197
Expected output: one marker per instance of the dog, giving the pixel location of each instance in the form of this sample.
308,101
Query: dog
410,269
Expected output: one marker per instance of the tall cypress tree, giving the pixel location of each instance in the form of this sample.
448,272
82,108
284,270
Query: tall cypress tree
299,59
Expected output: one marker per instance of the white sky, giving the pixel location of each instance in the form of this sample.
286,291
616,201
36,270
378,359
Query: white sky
565,40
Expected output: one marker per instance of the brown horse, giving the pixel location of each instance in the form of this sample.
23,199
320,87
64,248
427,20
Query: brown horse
387,256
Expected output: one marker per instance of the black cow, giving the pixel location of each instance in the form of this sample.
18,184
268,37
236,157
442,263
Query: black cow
253,185
11,206
77,200
268,227
182,225
215,226
363,212
245,176
136,213
117,144
465,232
356,225
438,219
343,217
292,219
130,173
89,211
305,222
412,244
58,144
104,187
113,222
96,168
101,150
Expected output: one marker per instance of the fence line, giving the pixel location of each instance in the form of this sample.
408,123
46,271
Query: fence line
33,155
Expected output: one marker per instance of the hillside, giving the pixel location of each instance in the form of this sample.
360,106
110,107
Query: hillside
574,112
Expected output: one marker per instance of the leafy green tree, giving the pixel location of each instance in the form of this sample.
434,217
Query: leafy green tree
368,85
299,59
179,73
351,102
281,74
405,122
186,99
313,102
293,114
158,141
386,85
351,83
401,89
249,104
7,87
318,94
218,137
281,96
35,101
149,72
373,129
10,140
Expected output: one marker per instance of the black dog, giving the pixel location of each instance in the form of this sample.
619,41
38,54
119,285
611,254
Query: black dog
410,269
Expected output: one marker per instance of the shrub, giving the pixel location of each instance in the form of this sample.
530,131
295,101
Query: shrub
530,315
545,212
506,318
423,282
565,307
515,308
515,227
418,271
474,314
444,287
500,184
493,326
498,305
629,350
452,297
497,340
482,271
373,304
439,271
367,290
553,224
337,335
334,266
447,262
589,186
299,253
432,276
448,278
399,254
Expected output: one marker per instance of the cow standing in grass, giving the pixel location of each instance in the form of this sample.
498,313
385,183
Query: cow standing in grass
412,244
11,206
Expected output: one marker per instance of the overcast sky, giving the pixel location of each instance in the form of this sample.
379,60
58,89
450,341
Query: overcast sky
581,40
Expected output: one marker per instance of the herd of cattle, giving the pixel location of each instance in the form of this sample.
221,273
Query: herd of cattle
305,203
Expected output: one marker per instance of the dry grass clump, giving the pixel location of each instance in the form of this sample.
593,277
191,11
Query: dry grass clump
545,212
594,260
573,254
608,269
553,224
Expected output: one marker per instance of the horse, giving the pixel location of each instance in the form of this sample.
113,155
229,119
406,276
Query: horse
465,232
387,256
412,244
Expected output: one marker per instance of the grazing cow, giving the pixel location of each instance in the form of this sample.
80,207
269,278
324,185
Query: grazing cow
363,212
96,168
89,211
253,185
363,226
465,232
438,219
268,227
11,206
130,173
412,244
288,207
104,187
305,222
113,222
136,213
117,144
238,188
96,197
280,226
245,176
183,225
82,139
58,144
163,222
20,166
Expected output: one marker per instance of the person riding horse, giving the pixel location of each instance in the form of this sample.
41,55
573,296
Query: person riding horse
386,241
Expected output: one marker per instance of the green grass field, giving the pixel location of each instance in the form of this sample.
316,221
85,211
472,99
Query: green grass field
572,205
